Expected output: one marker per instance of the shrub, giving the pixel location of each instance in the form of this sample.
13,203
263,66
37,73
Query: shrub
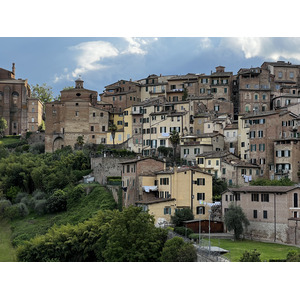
4,203
293,256
74,194
57,202
250,256
181,215
12,193
37,148
15,211
183,231
176,250
20,196
40,207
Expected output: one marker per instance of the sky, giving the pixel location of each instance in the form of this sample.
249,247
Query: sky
100,61
115,40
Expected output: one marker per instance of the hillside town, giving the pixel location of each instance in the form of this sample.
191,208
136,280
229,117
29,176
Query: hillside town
185,131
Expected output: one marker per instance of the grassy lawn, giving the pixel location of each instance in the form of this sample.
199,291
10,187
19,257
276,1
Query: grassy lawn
9,140
7,252
98,199
267,250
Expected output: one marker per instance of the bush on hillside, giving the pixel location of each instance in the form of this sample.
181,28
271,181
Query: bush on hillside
183,231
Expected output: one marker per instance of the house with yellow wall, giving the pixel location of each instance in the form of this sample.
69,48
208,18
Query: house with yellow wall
178,188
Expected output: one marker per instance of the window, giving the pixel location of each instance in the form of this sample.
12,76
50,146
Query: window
76,113
92,128
164,181
254,214
101,114
200,181
265,214
200,196
223,171
254,197
200,210
295,200
264,197
32,120
167,210
260,133
32,109
103,128
291,75
201,161
261,147
279,74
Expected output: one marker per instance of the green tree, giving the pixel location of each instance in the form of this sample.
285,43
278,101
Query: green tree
219,186
133,237
182,215
250,256
113,128
185,94
285,181
43,92
3,126
174,139
80,141
57,202
176,250
235,218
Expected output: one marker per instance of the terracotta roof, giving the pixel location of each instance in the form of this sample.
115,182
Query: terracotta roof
159,200
264,189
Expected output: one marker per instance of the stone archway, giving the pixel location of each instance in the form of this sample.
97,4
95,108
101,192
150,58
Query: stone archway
58,143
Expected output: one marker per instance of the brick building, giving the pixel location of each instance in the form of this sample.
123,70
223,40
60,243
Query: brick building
76,114
121,94
16,104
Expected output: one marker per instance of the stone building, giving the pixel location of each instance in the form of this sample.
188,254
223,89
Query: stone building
121,94
76,114
255,89
132,170
273,211
16,104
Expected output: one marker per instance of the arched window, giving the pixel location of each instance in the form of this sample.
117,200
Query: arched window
15,96
264,96
255,96
247,108
278,103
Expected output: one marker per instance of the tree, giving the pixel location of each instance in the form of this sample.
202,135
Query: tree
113,128
80,141
250,256
182,215
3,126
43,92
133,237
174,139
185,94
219,186
235,218
285,181
176,250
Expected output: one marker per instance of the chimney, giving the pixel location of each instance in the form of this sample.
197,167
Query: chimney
13,70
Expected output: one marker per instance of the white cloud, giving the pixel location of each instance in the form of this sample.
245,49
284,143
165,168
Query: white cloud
136,45
91,55
205,43
265,47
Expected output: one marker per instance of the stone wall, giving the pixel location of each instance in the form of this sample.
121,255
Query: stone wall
104,167
265,232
